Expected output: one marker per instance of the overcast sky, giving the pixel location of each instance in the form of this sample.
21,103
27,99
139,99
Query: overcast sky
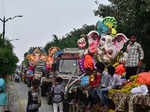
42,18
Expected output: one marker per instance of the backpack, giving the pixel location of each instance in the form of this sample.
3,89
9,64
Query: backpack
57,95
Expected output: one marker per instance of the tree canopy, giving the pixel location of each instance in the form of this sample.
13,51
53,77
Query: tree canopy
8,60
70,39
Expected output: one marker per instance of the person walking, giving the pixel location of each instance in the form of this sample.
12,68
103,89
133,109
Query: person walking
34,101
135,57
58,95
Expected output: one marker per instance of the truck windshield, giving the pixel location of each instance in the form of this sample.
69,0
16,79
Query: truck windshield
68,66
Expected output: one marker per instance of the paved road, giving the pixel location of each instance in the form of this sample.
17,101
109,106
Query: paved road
18,98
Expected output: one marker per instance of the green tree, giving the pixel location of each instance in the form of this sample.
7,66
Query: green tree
133,17
8,60
70,39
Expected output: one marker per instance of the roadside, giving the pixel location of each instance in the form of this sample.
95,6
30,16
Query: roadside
17,98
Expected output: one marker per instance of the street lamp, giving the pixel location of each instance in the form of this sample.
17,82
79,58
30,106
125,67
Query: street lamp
4,20
13,40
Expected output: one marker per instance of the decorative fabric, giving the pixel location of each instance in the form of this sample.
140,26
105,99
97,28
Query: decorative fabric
140,90
81,43
88,62
120,69
125,102
101,28
143,78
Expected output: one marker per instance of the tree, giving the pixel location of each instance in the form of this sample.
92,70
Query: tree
133,17
70,39
8,60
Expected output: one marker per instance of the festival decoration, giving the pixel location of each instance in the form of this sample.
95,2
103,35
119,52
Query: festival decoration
105,44
84,80
30,72
92,48
113,32
88,62
37,51
93,36
49,61
119,40
81,64
53,53
43,57
31,50
58,52
93,40
120,69
81,43
33,55
143,78
107,50
101,27
127,88
110,22
52,50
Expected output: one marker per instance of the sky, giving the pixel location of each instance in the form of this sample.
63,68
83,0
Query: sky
43,18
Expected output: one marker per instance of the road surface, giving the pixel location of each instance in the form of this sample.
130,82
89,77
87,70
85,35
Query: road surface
18,98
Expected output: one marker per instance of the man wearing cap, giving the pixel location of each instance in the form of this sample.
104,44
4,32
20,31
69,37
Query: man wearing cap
135,57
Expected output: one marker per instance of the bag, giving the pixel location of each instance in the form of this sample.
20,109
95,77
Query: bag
57,96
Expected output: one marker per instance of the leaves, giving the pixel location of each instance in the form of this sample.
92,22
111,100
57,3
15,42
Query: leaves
70,39
8,59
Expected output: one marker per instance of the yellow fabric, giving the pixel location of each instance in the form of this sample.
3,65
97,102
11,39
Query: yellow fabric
127,88
110,110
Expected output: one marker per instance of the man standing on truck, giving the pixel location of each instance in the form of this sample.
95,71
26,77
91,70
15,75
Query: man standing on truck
135,57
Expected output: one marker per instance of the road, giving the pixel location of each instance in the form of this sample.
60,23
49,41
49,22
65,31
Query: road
18,98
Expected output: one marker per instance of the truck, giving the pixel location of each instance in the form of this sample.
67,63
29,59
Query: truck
68,63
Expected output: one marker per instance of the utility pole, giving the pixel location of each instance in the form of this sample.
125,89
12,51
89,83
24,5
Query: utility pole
4,20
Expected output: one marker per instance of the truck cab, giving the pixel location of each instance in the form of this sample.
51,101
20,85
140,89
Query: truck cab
68,64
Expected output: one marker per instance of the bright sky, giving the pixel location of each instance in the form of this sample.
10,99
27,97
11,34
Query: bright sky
43,18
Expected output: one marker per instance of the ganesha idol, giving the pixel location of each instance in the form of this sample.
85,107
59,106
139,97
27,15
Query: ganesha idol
104,47
93,43
109,46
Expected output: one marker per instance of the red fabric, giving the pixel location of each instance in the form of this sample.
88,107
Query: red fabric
96,81
88,62
120,69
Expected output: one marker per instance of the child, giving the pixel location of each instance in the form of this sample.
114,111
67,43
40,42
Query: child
58,95
34,101
104,75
